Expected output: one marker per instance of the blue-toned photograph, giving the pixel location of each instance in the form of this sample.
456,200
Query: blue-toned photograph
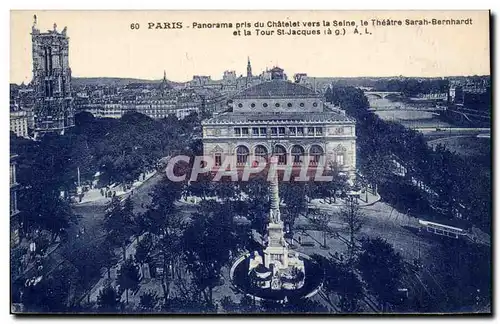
250,162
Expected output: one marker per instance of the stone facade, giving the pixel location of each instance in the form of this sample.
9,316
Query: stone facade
19,123
285,118
53,111
14,211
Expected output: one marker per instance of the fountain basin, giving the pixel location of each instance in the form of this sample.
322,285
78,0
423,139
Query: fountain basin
259,288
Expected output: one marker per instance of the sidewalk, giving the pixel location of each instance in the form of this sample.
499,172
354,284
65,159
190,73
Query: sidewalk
363,201
95,196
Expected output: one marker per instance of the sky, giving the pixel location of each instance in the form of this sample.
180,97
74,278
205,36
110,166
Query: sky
103,44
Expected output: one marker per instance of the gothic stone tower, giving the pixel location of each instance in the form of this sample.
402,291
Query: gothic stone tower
249,69
53,111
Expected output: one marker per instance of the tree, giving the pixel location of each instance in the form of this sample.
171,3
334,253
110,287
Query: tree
229,305
248,305
142,251
350,292
118,223
257,190
87,259
148,301
226,190
166,224
351,214
322,221
208,242
343,282
108,300
128,276
330,189
107,257
187,304
51,294
381,268
296,305
202,187
293,194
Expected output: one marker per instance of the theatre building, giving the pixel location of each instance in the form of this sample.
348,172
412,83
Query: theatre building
287,119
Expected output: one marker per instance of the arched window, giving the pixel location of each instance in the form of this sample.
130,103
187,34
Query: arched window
297,154
316,152
242,154
261,151
280,152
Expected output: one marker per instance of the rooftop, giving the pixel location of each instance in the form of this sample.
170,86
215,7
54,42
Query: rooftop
277,89
242,118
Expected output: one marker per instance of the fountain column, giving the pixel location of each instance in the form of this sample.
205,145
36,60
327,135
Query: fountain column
276,252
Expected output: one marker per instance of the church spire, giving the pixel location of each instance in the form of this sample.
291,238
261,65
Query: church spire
249,68
164,84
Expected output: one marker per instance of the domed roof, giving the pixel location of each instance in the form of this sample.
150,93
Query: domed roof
277,89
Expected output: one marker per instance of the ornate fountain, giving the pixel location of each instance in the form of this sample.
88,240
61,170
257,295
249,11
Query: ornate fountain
276,272
279,267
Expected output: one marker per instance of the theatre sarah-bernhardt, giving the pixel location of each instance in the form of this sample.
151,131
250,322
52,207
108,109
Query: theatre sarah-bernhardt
286,119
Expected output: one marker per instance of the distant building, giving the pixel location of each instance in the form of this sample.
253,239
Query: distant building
171,103
229,77
301,78
19,122
164,86
434,96
284,118
14,211
456,95
53,111
200,80
24,100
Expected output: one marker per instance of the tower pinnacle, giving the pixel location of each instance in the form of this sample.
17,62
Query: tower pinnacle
249,68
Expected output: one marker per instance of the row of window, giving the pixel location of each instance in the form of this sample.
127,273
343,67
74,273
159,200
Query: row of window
12,174
282,159
277,105
298,155
13,203
279,131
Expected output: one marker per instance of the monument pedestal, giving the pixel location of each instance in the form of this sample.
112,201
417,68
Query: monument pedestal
277,250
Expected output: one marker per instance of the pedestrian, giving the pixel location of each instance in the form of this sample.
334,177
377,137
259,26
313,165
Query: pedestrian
300,240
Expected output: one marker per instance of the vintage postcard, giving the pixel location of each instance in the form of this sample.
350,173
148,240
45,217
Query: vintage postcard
248,162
